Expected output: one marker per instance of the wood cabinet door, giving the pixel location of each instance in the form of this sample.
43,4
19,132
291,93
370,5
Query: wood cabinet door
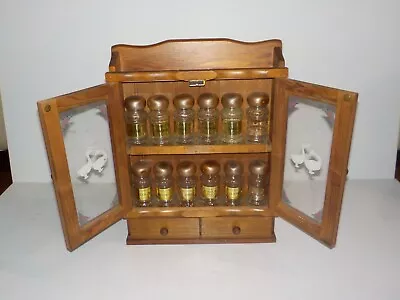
311,137
84,133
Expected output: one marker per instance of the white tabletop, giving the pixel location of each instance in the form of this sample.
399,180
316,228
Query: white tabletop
34,263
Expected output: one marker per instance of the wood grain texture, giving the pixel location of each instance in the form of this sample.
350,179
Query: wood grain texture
118,141
345,103
131,241
195,54
164,228
160,76
50,120
198,149
237,227
197,212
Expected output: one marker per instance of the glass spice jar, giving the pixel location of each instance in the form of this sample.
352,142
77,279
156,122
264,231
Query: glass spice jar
136,119
257,117
184,119
163,179
233,182
208,118
142,183
232,116
186,182
258,183
210,182
159,119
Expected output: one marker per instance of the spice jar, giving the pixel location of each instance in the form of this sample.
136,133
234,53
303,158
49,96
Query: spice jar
159,119
208,118
258,183
233,182
163,178
186,182
142,183
136,118
209,182
257,117
232,116
184,119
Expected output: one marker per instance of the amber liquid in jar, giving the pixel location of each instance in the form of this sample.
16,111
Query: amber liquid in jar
258,183
186,183
233,182
136,119
142,183
232,116
164,183
210,180
184,119
208,118
159,119
257,117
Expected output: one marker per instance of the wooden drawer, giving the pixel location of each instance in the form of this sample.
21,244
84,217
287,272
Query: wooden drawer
237,228
163,228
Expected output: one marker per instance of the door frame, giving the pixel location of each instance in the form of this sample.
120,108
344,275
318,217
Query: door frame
345,103
49,113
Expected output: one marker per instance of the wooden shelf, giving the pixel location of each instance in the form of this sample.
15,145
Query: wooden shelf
199,212
198,149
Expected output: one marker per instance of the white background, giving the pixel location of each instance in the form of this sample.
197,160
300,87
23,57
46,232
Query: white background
53,47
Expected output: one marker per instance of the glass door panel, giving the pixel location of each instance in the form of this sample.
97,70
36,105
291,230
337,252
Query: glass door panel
308,148
312,133
87,152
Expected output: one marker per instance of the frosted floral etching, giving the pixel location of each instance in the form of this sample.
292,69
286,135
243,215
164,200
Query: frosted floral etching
90,160
309,137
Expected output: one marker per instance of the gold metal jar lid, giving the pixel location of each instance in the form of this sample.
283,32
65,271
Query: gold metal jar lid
210,167
183,101
162,169
258,167
141,168
186,168
259,99
208,100
158,102
232,100
133,103
233,168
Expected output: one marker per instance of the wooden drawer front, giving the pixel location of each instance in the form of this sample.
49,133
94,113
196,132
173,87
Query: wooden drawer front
237,227
163,228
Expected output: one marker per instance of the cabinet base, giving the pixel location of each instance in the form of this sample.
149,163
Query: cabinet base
131,241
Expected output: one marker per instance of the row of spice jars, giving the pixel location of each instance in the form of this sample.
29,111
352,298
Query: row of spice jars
186,182
208,117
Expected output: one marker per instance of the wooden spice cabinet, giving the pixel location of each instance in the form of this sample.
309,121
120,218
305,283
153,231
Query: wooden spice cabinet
197,66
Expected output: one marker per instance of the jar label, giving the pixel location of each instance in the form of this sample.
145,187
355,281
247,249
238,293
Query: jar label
164,194
160,130
183,128
232,193
208,128
144,194
232,128
136,130
188,194
210,192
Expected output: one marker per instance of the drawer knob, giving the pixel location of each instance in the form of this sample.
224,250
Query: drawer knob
236,230
164,231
